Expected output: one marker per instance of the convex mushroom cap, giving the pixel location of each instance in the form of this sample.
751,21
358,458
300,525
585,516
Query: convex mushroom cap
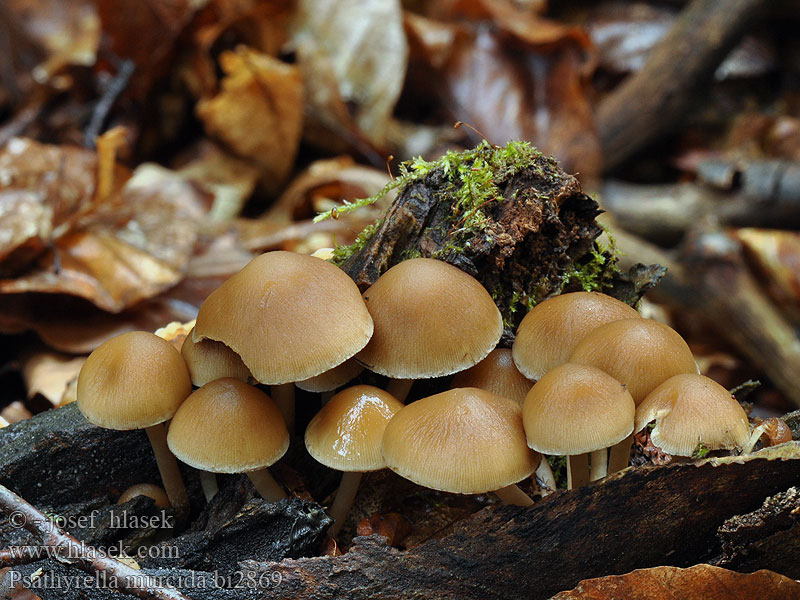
498,374
132,381
690,410
228,426
550,331
641,353
575,409
208,360
465,441
332,378
288,316
431,319
346,434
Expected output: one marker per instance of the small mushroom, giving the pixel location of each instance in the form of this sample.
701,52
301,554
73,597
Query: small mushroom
463,441
150,490
575,411
690,410
137,380
227,426
346,435
550,331
498,374
332,379
208,360
431,319
289,317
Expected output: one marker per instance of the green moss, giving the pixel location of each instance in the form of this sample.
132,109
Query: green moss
594,274
473,178
342,253
701,451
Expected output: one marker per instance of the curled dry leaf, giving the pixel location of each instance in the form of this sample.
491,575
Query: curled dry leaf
259,111
47,373
700,581
327,183
393,526
129,248
68,33
523,79
76,326
362,48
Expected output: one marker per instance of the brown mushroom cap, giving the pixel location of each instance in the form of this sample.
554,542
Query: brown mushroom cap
289,316
346,434
227,426
548,334
576,409
640,353
692,409
464,441
431,319
208,360
132,381
158,495
332,378
498,374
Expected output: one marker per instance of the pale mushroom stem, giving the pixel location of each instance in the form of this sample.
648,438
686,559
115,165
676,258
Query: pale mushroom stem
209,482
345,496
755,435
399,388
167,467
265,484
577,470
283,395
544,475
599,460
620,455
511,494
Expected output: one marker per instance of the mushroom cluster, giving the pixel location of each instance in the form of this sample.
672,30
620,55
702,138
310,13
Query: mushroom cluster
585,373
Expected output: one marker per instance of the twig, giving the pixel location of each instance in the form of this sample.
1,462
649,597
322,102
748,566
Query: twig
115,87
66,549
649,103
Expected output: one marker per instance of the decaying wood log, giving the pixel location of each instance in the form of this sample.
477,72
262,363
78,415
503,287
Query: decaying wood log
536,232
634,519
650,102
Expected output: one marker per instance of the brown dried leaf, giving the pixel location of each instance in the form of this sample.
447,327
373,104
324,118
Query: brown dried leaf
136,245
526,81
326,183
362,47
393,526
700,581
259,111
47,373
67,32
146,32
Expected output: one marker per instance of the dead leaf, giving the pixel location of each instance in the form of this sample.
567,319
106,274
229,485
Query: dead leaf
362,46
134,245
393,526
327,183
700,581
67,32
145,32
229,179
47,373
527,82
15,412
259,111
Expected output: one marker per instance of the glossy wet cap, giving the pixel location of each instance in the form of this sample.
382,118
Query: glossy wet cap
465,441
132,381
692,409
641,353
346,434
575,409
227,426
498,374
288,316
431,319
209,360
548,334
